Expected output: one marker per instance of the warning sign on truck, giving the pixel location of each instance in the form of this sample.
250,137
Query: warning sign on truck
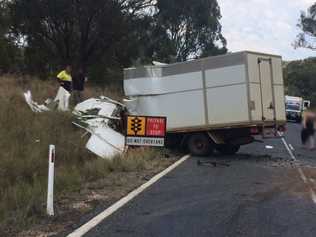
146,131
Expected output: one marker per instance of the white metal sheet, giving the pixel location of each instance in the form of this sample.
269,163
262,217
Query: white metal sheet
228,104
106,143
277,71
253,69
163,85
255,100
35,107
181,109
62,97
225,76
105,108
266,90
279,102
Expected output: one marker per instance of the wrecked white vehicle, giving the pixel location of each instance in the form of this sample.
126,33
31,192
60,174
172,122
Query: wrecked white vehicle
102,118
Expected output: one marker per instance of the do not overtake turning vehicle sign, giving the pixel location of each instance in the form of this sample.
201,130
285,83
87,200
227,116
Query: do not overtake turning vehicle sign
146,131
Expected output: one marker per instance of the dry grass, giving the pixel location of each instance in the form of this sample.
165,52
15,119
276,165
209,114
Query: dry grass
24,140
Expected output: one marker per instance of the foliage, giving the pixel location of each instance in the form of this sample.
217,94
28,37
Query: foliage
300,75
300,79
307,24
9,53
67,31
25,137
192,28
111,34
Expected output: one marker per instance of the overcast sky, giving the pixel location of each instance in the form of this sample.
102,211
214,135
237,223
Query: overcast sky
264,25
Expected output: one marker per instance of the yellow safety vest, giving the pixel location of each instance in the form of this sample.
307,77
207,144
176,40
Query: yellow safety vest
64,76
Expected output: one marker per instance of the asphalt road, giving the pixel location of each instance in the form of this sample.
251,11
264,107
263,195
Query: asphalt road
258,192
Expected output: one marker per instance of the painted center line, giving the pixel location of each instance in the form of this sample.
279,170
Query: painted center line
313,194
106,213
290,148
303,177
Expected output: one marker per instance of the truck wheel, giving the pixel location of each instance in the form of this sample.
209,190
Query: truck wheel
199,144
228,149
173,141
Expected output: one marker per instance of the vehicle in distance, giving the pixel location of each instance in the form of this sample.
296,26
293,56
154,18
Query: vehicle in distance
295,107
215,103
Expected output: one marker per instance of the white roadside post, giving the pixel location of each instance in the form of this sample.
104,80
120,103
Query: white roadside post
50,189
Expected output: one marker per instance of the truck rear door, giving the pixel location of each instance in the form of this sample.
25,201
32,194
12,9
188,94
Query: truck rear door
266,89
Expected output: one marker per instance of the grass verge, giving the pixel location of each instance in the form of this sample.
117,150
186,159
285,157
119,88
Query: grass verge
24,140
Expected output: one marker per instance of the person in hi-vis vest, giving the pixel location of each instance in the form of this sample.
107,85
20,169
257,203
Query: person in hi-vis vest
65,78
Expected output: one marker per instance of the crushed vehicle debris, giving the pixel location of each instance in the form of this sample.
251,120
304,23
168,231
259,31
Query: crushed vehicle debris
35,107
61,102
101,117
62,98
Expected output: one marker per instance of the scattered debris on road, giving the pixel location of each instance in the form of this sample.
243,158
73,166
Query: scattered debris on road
213,163
269,147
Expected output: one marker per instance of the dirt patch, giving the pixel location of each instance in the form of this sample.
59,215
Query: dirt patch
288,182
267,195
294,184
310,173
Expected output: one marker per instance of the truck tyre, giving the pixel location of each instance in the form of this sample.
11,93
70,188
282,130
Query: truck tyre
173,141
228,149
199,144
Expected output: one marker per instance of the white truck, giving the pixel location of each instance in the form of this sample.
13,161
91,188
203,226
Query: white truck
295,107
215,103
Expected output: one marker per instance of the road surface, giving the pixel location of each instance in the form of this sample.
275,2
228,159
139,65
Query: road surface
260,191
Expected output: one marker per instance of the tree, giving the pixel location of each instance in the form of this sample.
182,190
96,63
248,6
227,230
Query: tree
9,52
106,35
307,24
192,28
300,78
75,31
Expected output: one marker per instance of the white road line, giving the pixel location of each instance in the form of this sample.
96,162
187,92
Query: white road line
292,148
303,177
103,215
313,194
288,149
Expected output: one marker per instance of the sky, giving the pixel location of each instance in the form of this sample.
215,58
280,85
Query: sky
264,25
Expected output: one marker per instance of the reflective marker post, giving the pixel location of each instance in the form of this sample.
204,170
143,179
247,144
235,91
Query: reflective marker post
50,189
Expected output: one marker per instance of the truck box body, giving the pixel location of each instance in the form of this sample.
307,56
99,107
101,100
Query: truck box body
234,90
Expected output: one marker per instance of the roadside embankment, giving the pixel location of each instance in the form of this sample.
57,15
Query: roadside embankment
81,180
